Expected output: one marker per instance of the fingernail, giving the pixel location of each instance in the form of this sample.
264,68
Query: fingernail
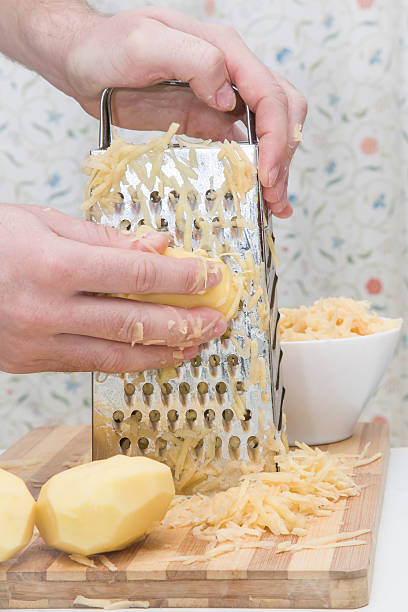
272,176
214,275
188,353
279,193
219,327
225,97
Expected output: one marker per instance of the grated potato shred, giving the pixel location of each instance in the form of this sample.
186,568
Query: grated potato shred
333,317
308,486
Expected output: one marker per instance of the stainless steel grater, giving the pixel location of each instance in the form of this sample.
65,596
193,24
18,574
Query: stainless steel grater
132,412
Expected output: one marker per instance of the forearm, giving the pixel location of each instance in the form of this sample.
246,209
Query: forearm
40,33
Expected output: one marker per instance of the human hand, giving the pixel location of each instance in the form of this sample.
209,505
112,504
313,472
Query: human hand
117,51
49,319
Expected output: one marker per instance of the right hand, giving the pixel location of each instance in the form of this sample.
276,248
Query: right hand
52,264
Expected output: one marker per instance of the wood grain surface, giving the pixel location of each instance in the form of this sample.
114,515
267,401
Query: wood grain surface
41,577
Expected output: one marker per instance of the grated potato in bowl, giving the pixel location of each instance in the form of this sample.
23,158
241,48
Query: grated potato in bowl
333,317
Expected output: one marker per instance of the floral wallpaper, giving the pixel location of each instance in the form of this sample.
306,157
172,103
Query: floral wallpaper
348,184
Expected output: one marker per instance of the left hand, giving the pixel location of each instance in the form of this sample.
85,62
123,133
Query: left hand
141,47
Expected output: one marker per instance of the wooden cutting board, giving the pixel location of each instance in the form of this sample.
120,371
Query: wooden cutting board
333,578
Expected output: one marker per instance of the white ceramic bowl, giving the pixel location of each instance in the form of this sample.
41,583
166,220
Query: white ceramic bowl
328,383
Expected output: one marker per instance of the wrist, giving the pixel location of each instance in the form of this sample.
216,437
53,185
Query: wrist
42,33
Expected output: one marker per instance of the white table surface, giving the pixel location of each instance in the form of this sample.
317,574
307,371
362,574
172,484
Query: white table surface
388,592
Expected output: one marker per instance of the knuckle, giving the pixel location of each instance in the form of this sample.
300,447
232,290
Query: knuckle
192,281
212,59
225,31
136,326
146,275
107,235
112,361
302,106
281,98
52,268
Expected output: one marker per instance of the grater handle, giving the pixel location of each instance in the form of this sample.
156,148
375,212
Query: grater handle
105,132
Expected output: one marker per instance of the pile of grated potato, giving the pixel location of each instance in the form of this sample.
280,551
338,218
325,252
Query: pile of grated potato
333,317
308,485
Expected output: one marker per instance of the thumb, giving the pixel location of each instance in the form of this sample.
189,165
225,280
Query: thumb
144,238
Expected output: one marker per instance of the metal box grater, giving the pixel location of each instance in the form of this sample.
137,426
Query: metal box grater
131,411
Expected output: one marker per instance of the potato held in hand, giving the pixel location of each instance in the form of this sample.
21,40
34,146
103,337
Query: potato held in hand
104,505
16,515
222,297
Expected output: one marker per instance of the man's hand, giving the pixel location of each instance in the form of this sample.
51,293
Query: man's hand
82,52
51,264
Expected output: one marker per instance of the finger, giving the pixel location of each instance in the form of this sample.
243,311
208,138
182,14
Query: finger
82,267
143,238
174,55
154,108
82,354
258,86
138,323
297,109
286,212
276,197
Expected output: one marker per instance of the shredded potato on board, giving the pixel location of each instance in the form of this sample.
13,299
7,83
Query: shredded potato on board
308,485
332,318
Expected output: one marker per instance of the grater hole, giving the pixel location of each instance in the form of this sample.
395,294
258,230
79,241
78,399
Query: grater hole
202,388
173,196
118,416
141,222
196,361
209,415
198,222
136,415
253,442
191,415
154,416
164,224
234,221
247,415
172,415
143,443
241,305
228,196
210,195
218,442
148,389
232,360
184,388
214,361
166,388
227,414
161,444
221,387
240,387
234,442
216,221
155,197
130,388
124,444
125,224
192,196
226,334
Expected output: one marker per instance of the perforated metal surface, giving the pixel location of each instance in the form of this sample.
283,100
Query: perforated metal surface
132,411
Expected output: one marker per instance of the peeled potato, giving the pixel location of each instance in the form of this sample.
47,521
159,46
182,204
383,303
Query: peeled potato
220,298
16,515
103,505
